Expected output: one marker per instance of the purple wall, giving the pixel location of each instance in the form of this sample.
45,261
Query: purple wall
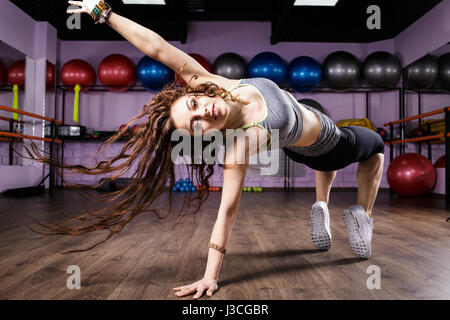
37,41
427,34
17,28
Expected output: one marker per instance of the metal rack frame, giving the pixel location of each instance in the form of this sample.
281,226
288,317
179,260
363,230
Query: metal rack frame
13,137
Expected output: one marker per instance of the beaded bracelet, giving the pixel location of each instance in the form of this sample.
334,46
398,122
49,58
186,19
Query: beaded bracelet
101,12
218,248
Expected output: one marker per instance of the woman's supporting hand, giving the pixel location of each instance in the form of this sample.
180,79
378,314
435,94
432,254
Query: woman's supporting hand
86,6
200,286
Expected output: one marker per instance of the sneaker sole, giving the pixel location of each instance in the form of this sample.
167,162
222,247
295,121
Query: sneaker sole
319,234
357,242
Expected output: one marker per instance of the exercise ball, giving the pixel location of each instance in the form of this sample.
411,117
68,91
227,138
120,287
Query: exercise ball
77,75
152,74
230,65
444,71
304,73
78,72
341,70
50,76
16,74
200,59
421,74
440,163
382,69
3,74
411,174
117,72
16,77
267,65
313,104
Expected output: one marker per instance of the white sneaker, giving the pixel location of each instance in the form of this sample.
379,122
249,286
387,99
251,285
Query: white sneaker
359,226
320,225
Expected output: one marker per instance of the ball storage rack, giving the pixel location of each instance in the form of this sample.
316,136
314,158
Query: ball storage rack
429,140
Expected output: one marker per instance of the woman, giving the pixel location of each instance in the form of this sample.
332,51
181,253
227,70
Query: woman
255,105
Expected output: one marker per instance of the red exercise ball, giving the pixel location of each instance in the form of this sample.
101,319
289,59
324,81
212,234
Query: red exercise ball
200,59
78,72
3,74
117,70
16,73
50,76
411,174
440,163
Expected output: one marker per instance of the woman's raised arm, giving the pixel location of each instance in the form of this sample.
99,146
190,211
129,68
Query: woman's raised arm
153,45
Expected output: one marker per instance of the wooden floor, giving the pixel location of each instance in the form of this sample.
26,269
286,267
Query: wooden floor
270,254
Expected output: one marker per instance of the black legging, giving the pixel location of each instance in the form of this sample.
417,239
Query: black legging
355,144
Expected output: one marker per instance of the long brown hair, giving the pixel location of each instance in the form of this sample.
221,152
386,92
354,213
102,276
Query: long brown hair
150,148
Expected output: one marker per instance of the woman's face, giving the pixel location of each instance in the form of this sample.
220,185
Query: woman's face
197,114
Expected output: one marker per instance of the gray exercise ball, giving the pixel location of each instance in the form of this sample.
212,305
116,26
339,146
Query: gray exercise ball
230,65
382,69
421,74
341,70
444,71
313,104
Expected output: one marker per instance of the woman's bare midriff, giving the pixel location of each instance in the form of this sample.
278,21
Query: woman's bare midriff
311,128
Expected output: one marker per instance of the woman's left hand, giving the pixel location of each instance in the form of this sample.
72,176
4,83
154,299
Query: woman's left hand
85,6
200,286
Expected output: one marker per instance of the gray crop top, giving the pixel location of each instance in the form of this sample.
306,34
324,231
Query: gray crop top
283,113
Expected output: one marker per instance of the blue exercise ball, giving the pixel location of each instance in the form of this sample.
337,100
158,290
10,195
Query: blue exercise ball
267,65
304,73
152,74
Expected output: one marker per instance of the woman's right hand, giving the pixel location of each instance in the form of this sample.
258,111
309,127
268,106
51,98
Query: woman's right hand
86,6
200,286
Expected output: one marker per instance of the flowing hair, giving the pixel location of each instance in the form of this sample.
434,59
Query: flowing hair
150,149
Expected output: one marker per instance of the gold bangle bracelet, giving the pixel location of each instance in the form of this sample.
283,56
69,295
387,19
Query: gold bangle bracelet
218,248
